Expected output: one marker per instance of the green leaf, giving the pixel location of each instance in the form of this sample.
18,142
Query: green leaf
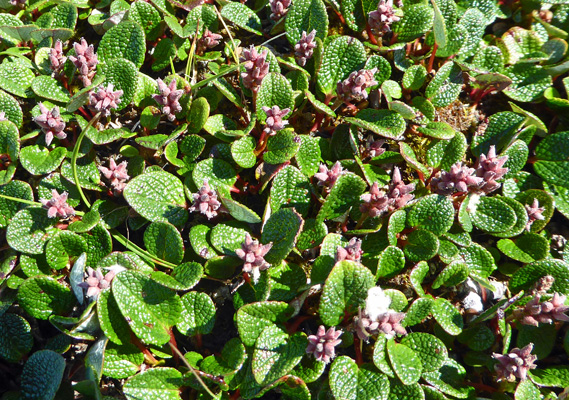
312,234
290,189
526,390
281,147
29,230
252,318
164,53
48,88
112,323
217,172
445,87
418,311
551,377
552,153
405,362
437,130
227,237
344,291
99,244
157,196
282,229
448,317
490,214
16,77
445,153
428,348
527,248
11,108
421,245
122,361
239,211
391,262
198,314
345,195
386,123
350,382
42,296
417,19
306,15
478,259
63,249
417,275
449,379
414,77
439,26
243,152
154,308
275,90
525,277
528,82
42,375
309,155
9,208
453,274
125,40
16,338
276,354
184,276
399,391
38,160
343,55
242,16
474,29
164,241
123,74
434,213
155,383
147,16
9,148
502,127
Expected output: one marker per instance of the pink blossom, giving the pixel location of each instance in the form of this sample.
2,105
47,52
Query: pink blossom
57,206
85,60
96,282
546,312
205,200
279,8
169,98
274,121
207,41
327,177
51,123
398,193
353,88
490,168
256,67
459,179
304,49
515,364
322,345
105,99
116,174
253,254
352,252
535,213
56,58
375,203
382,18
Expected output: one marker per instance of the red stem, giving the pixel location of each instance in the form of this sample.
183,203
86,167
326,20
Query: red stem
358,349
372,38
432,59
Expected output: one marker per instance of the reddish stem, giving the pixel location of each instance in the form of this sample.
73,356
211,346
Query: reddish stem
82,111
358,350
372,38
142,348
342,20
293,326
432,59
235,395
173,344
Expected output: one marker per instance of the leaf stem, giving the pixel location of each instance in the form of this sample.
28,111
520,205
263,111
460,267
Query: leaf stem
31,203
138,251
192,369
75,154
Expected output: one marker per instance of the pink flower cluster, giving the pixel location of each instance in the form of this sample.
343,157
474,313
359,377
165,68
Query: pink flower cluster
382,18
352,252
378,202
353,88
57,206
116,174
104,99
322,345
207,41
51,123
279,8
253,254
256,67
515,364
56,58
274,121
169,98
85,60
327,177
206,202
304,49
534,312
